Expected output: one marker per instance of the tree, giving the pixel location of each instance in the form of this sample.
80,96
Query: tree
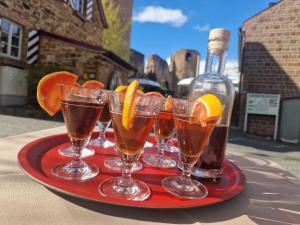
113,36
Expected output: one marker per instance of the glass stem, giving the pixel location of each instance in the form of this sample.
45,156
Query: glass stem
102,128
186,173
161,148
126,180
76,160
161,151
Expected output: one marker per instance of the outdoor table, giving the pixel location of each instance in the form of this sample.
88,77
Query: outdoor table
271,196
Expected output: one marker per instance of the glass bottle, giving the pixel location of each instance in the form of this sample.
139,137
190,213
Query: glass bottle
215,82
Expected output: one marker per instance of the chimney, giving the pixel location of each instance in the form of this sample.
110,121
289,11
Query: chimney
272,4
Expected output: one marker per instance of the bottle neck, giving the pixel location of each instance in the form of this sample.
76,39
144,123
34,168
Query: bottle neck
215,62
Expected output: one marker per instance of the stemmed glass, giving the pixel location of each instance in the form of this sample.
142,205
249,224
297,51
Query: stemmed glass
192,136
163,129
81,109
130,142
103,123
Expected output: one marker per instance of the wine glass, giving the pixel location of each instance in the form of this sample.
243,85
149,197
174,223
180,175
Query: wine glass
130,142
192,136
103,123
163,129
81,109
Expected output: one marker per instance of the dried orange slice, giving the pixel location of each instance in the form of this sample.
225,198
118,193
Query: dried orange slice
48,92
207,109
129,104
93,84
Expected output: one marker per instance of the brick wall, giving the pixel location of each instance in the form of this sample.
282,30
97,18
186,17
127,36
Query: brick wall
82,61
271,59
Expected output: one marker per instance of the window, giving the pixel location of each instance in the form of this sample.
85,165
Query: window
10,39
79,6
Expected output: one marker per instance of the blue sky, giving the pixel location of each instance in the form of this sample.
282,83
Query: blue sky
164,26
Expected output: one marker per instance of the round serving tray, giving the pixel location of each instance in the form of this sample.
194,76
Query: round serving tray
40,156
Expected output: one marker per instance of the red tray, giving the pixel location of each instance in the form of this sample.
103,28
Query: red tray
40,156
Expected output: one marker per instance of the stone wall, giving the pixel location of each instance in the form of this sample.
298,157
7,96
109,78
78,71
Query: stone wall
157,69
270,61
137,59
125,9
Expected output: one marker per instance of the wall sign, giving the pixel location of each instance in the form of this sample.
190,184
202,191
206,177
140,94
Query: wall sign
263,104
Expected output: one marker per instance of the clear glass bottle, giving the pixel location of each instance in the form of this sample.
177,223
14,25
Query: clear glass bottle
215,82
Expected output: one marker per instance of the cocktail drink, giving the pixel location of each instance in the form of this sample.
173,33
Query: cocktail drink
81,109
163,129
132,118
194,123
103,123
211,161
164,125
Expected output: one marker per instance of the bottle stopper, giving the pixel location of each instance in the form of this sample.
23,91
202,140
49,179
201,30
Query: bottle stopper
218,39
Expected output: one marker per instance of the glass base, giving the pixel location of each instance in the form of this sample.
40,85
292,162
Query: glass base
139,191
116,165
159,161
102,143
210,175
82,172
179,187
171,149
69,152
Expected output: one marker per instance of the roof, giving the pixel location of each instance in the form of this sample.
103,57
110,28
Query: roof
271,5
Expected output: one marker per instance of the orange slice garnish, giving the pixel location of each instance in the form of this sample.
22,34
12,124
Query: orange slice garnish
129,104
48,91
154,93
207,109
121,88
93,84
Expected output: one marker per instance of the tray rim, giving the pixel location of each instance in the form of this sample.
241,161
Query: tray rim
26,148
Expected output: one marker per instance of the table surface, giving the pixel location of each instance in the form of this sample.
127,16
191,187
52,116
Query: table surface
271,196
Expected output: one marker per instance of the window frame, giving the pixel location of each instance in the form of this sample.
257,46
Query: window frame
9,43
82,7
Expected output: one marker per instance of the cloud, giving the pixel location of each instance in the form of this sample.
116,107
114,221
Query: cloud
201,28
231,70
158,14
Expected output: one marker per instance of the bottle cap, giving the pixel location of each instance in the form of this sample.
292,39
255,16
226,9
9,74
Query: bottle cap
219,39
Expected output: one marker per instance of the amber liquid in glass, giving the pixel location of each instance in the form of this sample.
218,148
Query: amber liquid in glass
105,115
80,119
214,154
192,138
130,142
164,125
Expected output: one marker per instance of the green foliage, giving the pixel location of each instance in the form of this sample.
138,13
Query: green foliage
35,74
113,36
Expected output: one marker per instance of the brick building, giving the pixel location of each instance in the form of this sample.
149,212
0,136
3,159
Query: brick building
270,63
66,34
